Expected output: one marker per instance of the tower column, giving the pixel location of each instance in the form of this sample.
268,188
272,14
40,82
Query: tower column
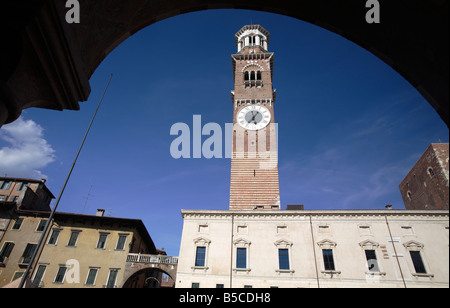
258,40
254,182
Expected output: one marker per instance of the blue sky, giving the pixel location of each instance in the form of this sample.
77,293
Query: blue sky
350,127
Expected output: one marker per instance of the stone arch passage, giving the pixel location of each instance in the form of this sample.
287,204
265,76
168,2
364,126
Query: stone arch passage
141,275
54,60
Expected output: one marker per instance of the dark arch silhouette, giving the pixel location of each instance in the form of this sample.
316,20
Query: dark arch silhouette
54,60
146,278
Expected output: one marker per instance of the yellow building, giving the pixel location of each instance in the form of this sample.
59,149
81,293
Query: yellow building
78,251
89,251
18,242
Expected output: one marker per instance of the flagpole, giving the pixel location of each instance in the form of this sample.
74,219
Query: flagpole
47,225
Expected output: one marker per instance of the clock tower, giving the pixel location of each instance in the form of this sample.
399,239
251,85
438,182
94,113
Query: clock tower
254,163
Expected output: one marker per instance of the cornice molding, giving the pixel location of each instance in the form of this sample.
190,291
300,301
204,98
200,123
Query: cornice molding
301,215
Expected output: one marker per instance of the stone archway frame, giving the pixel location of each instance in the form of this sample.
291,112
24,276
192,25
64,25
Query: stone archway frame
54,60
130,271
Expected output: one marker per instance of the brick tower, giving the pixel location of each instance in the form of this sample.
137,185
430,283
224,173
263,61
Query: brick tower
254,163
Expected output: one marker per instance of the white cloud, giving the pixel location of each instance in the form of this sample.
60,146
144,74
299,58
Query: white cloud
28,152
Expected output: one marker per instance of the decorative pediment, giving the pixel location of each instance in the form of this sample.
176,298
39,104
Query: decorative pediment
201,241
369,245
413,245
283,244
240,242
327,244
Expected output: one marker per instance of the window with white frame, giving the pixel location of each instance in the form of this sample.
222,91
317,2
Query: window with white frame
92,276
284,256
17,224
61,274
370,252
121,241
201,245
417,257
4,185
112,278
53,239
101,244
41,225
241,255
73,238
37,280
329,266
6,251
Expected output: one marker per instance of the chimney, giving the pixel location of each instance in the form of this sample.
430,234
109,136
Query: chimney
388,207
100,212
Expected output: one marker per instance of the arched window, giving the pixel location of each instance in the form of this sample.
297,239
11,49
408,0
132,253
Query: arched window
246,76
430,172
253,78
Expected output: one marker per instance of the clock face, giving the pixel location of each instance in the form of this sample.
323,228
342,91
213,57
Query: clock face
254,117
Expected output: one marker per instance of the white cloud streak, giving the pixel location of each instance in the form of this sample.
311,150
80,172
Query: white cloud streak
27,153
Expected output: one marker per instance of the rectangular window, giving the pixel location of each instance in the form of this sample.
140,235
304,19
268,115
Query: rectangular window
283,256
6,251
200,256
61,274
418,262
219,286
121,242
73,238
28,253
54,237
41,225
112,278
372,261
17,224
102,241
39,275
195,285
5,185
328,259
241,258
2,198
92,276
22,186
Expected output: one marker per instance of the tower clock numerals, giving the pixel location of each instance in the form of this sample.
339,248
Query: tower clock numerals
254,117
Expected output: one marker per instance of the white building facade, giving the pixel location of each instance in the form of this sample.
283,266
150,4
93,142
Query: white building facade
314,249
